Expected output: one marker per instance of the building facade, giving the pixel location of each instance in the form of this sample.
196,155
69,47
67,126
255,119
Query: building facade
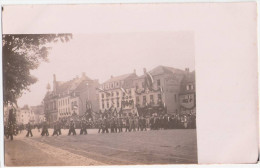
74,97
38,112
25,115
160,95
117,95
187,96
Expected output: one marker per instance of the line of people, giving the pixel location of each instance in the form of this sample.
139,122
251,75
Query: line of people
114,124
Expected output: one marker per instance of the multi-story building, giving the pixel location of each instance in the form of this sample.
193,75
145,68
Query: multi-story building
38,112
157,91
187,95
25,115
117,95
74,97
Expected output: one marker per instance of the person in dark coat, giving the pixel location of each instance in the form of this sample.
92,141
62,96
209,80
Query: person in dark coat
83,127
99,123
55,129
120,125
116,124
29,130
127,125
72,128
105,125
45,129
59,127
152,121
10,132
112,125
156,123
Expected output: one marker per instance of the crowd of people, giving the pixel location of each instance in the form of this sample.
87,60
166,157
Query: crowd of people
106,125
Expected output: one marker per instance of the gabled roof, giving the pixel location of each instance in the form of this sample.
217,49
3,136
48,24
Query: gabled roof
70,85
164,70
121,77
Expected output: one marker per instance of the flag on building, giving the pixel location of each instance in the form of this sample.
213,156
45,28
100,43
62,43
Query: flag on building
149,81
123,90
161,89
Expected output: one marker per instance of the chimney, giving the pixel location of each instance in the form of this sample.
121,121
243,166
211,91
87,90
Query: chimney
144,70
134,71
111,76
187,70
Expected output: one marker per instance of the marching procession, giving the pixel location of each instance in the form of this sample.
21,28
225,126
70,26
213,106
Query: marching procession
106,125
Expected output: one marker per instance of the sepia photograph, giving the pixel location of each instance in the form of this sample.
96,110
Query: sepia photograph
129,84
105,99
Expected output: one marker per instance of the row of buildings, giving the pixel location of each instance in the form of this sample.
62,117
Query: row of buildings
26,114
158,91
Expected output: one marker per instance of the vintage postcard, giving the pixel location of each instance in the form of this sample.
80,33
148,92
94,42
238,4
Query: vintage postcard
128,84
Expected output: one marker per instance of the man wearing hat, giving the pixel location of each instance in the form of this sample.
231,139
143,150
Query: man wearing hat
29,130
72,128
83,127
45,129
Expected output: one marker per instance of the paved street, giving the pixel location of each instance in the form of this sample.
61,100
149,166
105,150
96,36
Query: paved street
147,147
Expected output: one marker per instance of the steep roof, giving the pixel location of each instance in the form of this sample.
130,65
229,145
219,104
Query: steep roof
70,85
121,77
164,70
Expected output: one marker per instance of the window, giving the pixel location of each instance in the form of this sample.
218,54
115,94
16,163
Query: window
144,99
112,94
187,87
103,105
117,93
151,99
107,104
136,86
175,97
117,103
137,99
102,96
159,97
191,87
158,82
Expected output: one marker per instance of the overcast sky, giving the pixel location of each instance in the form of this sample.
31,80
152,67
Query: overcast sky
103,55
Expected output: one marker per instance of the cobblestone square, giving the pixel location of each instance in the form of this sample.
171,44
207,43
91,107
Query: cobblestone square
174,146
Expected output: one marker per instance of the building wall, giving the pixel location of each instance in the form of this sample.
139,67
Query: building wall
51,108
88,96
64,109
74,105
114,96
24,116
